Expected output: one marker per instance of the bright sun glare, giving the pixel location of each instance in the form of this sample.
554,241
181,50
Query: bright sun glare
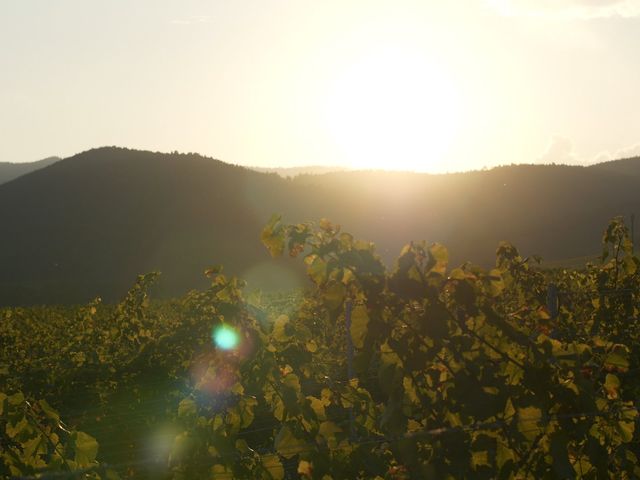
393,110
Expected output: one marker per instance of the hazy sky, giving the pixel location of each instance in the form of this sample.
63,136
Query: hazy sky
426,85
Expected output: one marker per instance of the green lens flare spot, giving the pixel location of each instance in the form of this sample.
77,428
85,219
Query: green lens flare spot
225,337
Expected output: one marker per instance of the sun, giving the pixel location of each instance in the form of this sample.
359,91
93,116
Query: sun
392,109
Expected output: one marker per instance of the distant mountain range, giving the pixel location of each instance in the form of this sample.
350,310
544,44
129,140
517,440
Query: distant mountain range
295,171
9,171
86,225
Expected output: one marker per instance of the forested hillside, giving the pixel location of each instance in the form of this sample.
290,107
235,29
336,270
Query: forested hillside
9,171
88,224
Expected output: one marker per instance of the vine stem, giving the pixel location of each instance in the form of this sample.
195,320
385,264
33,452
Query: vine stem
482,340
39,427
420,337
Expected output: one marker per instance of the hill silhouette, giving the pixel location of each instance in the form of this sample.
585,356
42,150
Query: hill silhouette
87,225
295,171
9,171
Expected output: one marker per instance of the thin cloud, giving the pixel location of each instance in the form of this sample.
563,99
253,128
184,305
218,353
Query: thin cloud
191,20
628,152
560,150
568,9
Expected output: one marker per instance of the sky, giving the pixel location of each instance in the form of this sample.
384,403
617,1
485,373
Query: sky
410,85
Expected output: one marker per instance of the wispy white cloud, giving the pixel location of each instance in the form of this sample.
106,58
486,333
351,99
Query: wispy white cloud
191,20
568,9
628,152
561,151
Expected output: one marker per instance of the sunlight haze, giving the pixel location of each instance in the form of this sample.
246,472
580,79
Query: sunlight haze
407,85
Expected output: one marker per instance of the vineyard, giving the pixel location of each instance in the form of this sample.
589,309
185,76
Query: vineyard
422,371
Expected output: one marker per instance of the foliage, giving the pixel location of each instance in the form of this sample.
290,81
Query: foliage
457,372
36,440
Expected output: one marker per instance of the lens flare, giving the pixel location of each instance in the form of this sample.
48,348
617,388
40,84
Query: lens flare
225,337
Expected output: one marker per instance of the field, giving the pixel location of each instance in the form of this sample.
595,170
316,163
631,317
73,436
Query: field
422,371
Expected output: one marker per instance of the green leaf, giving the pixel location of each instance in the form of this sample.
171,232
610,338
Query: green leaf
438,259
334,295
316,269
479,459
246,408
273,465
16,399
626,425
504,454
33,448
273,236
274,400
359,323
187,407
86,448
497,285
630,266
626,429
327,226
49,411
612,385
618,358
279,329
14,429
290,392
221,472
328,431
414,274
410,390
529,422
318,406
286,443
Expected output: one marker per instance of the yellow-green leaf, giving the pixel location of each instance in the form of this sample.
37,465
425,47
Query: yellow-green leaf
618,358
318,404
438,258
626,430
287,444
187,407
611,385
479,459
279,329
328,431
529,422
305,469
274,466
221,472
316,269
86,448
359,322
334,295
49,411
410,390
273,236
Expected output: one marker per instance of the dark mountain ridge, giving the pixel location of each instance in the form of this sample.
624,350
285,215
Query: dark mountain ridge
87,225
9,171
295,171
626,166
